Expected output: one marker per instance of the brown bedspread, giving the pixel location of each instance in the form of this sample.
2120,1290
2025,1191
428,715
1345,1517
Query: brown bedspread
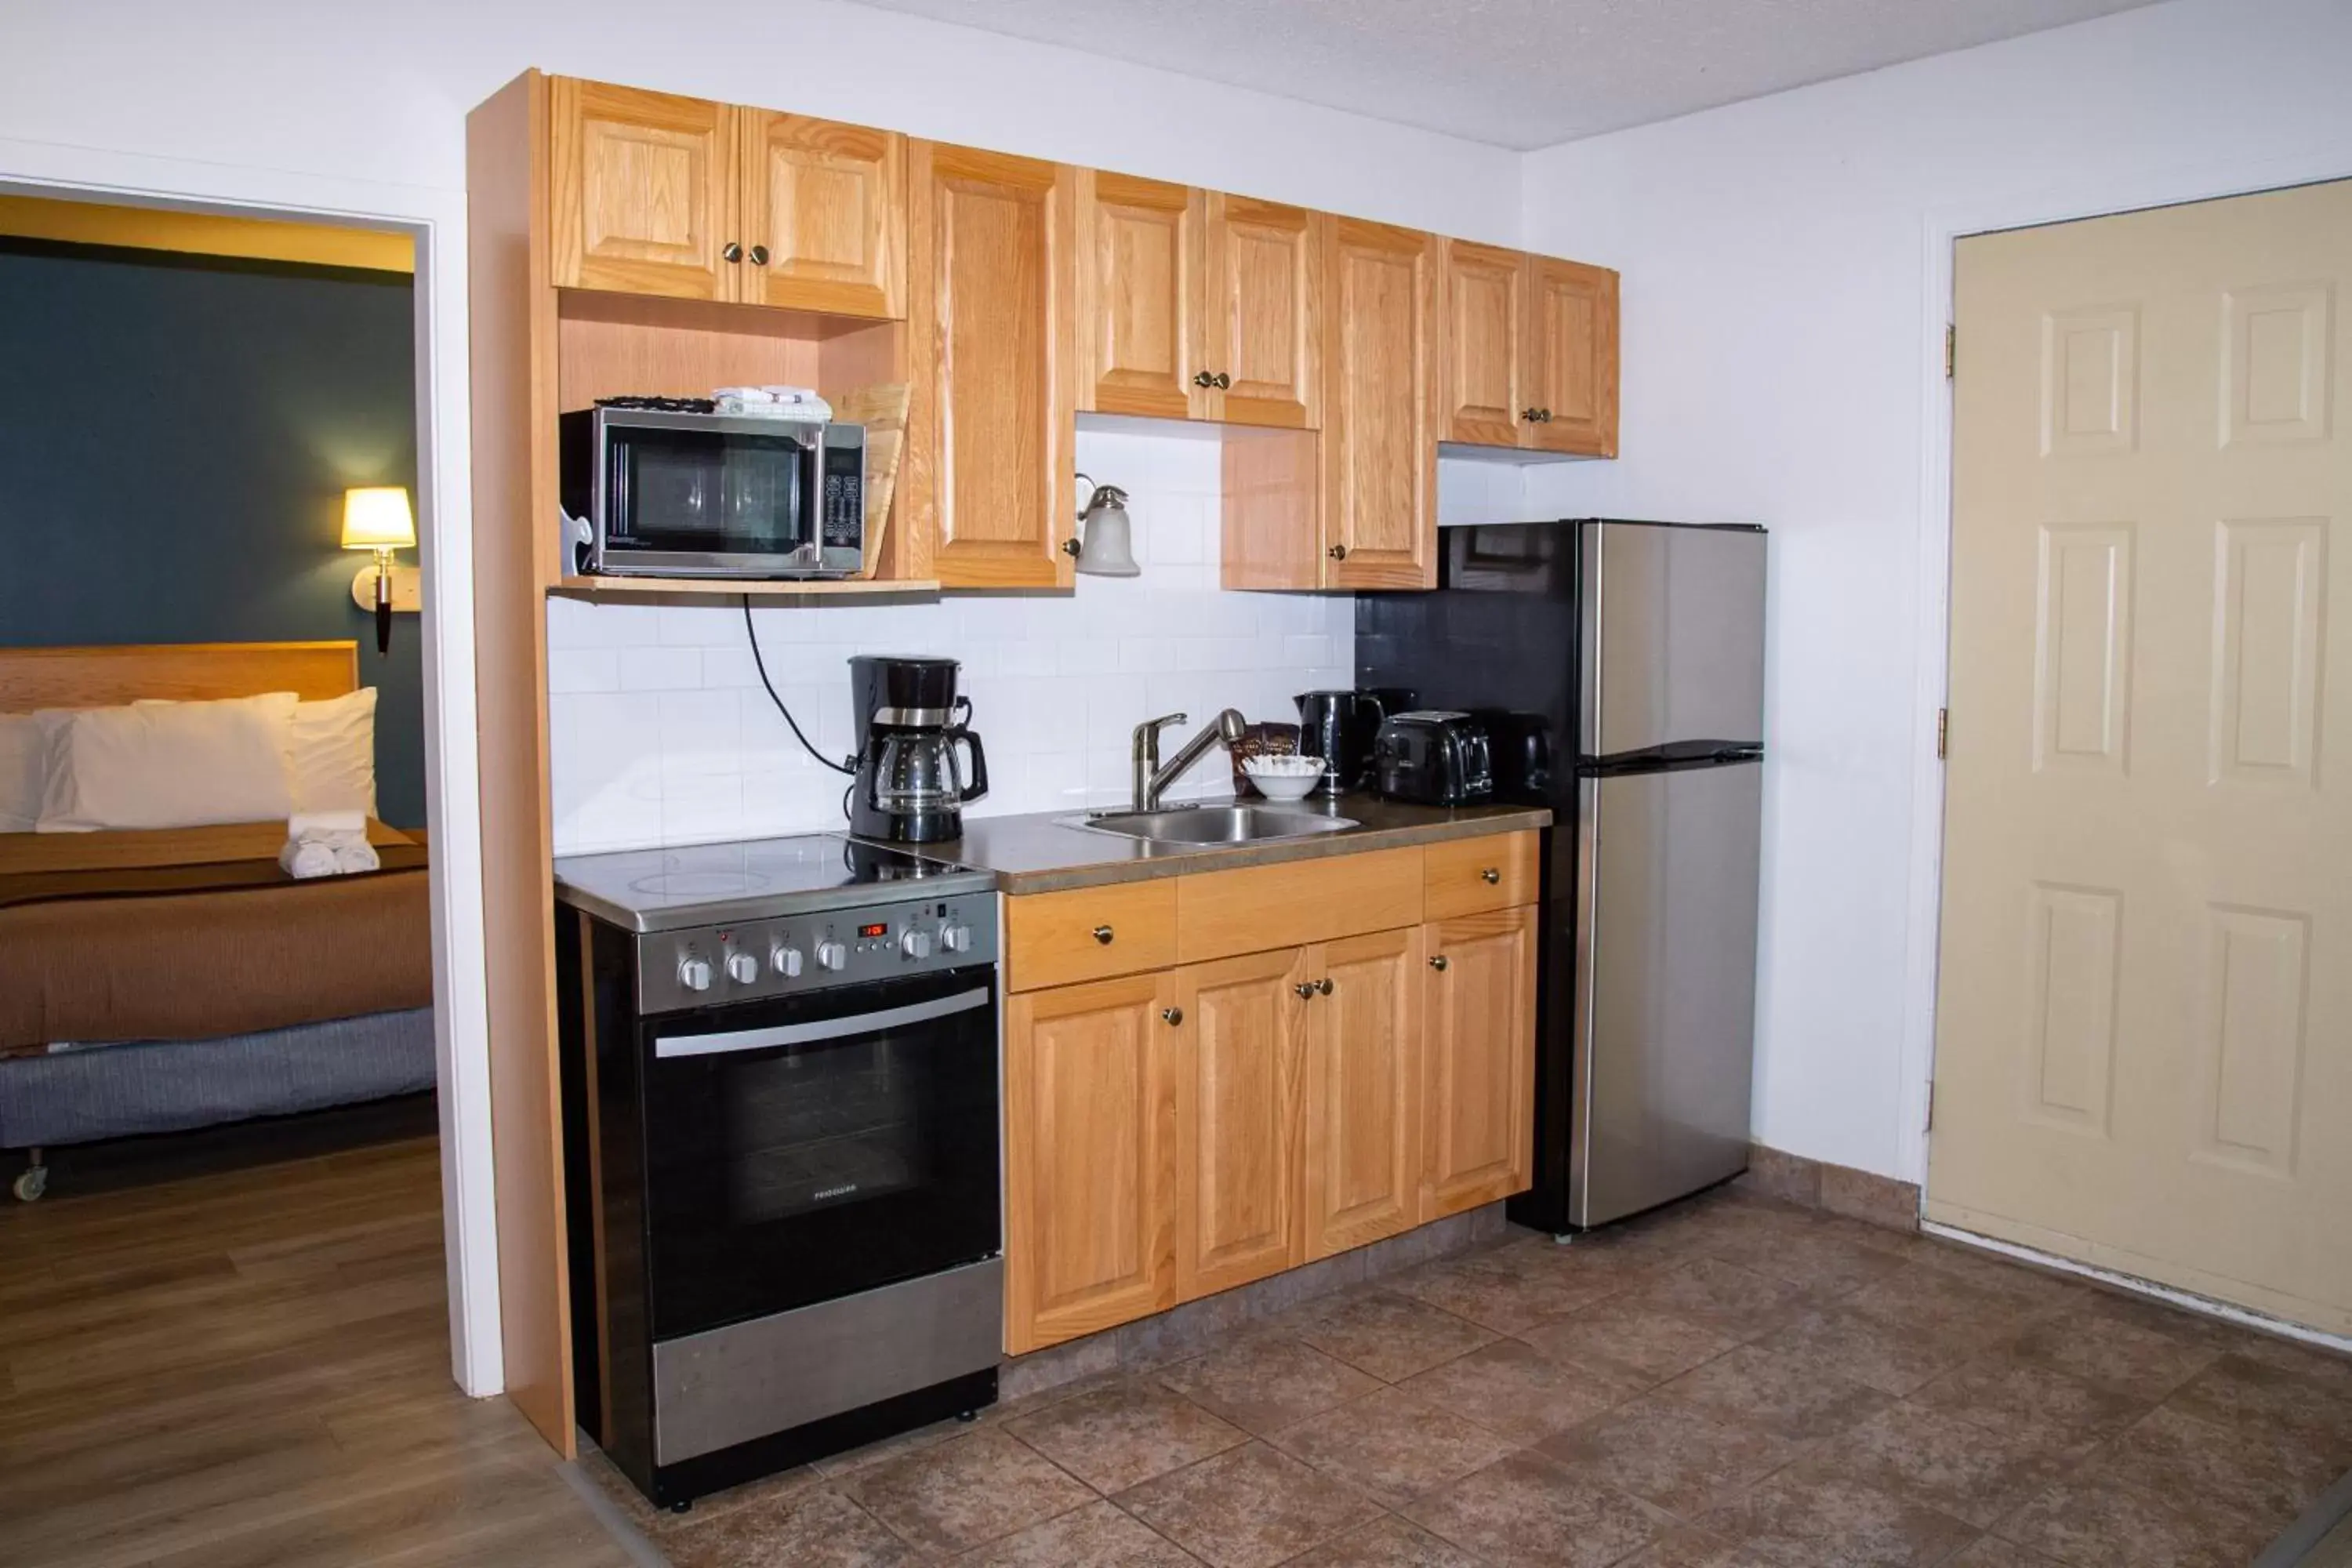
193,932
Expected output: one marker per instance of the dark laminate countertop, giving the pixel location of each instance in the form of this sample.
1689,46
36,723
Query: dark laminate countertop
1041,853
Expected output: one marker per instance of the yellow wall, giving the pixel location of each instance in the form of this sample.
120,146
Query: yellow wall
203,234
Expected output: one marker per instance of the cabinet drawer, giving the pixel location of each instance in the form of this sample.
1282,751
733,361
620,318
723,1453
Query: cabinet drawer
1470,876
1221,913
1088,933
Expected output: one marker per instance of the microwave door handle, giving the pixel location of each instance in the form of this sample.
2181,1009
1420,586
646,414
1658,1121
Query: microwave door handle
667,1047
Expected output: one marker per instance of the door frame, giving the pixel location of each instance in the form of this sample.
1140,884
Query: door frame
1943,229
435,220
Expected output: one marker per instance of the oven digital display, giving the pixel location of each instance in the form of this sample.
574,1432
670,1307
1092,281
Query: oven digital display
877,929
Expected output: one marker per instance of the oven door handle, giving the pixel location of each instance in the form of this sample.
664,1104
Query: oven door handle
665,1047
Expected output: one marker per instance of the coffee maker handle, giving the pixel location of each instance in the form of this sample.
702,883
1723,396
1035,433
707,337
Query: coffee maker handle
978,785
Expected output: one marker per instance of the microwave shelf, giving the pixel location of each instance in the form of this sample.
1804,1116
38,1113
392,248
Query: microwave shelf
616,587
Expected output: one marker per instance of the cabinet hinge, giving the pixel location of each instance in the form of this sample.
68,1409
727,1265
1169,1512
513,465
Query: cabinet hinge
1943,733
1951,349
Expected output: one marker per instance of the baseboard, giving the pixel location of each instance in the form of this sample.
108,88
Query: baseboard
1833,1189
1186,1330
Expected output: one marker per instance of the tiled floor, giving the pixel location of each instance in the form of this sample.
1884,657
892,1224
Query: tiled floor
1732,1382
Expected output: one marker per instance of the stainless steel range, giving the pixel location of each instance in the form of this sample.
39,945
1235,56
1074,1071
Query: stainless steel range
780,1095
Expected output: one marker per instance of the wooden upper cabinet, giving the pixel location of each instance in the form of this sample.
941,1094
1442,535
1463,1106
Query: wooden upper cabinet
1480,1078
1238,1043
1264,316
1142,267
1360,1167
991,245
1571,357
1380,441
824,216
1486,338
643,187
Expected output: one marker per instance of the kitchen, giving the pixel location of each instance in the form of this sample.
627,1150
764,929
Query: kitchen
1043,668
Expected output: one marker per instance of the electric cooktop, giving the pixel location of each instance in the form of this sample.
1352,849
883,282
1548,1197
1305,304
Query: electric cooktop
754,879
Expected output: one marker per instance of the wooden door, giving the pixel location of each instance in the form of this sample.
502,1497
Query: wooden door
990,336
825,215
1090,1153
642,187
1361,1158
1478,1058
1379,436
1265,345
2144,1012
1571,357
1237,1084
1486,344
1141,261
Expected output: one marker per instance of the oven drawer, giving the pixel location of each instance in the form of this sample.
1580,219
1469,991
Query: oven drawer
1090,933
1472,876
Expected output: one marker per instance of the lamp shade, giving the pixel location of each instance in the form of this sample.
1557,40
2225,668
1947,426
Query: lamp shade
1105,547
376,517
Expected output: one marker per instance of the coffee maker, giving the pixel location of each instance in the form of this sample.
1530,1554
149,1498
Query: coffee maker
1338,727
909,788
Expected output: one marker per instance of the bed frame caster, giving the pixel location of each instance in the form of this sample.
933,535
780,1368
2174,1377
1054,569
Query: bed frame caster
33,1180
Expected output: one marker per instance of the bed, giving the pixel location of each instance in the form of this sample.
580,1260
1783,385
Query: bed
154,980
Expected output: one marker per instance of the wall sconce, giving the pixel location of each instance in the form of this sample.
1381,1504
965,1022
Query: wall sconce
1106,545
377,518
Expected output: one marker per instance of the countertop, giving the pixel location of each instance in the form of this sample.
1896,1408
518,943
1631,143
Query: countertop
1041,853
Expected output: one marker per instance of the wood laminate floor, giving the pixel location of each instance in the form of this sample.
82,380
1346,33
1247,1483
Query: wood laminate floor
253,1368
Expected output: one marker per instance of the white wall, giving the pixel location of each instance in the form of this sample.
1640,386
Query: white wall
661,735
1778,335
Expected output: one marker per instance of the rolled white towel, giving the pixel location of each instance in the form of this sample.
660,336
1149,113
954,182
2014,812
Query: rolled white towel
305,858
325,824
352,855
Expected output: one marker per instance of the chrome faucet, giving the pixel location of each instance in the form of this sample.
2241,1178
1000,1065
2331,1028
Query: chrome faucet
1151,780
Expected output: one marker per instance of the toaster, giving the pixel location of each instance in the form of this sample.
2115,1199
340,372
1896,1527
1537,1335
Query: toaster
1433,758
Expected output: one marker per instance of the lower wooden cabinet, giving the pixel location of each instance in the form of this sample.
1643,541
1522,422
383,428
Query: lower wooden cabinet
1478,1054
1361,1166
1236,1051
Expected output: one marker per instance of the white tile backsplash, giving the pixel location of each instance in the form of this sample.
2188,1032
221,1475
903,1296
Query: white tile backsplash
661,735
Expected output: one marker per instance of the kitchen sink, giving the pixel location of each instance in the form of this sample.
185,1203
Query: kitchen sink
1211,824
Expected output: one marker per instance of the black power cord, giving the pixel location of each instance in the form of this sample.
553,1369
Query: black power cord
752,635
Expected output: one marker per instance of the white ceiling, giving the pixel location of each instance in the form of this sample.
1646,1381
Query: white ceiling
1517,73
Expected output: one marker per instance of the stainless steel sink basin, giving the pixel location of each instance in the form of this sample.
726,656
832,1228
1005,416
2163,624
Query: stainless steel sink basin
1211,824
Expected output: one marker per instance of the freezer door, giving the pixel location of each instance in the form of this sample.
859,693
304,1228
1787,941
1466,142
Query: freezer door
1665,1018
1673,636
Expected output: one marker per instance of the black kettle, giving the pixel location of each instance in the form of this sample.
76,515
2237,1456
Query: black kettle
1338,727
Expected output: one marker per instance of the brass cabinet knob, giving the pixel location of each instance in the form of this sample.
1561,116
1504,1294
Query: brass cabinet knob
1202,378
1490,876
1529,414
1102,935
1338,553
1437,961
731,251
1323,986
1174,1015
1543,416
759,255
1223,381
1305,989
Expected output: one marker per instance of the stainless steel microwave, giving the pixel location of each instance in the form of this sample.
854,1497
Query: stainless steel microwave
668,494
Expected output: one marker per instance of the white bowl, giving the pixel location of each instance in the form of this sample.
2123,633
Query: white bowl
1285,778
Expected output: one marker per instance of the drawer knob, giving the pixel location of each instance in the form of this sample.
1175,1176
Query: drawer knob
1338,553
1174,1015
1437,961
1305,989
1102,935
1490,876
1202,378
1224,380
759,255
731,251
1323,986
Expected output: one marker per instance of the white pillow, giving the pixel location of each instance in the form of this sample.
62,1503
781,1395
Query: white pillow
331,761
24,760
170,764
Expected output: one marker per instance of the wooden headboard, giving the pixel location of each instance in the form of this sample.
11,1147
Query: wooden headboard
34,678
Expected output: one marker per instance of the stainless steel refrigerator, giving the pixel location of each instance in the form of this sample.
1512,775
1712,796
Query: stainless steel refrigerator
1620,665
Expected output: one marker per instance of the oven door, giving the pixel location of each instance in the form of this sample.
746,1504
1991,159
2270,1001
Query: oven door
814,1146
700,495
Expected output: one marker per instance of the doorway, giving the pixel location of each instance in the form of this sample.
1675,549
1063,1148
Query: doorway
2144,1013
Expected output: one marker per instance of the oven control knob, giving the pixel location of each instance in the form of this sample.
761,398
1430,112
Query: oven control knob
743,968
832,955
956,938
785,959
916,945
694,974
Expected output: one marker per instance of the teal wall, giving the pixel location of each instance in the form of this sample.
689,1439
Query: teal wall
176,433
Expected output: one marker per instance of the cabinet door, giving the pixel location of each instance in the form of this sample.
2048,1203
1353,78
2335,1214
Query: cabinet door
1237,1079
1265,309
1478,1060
1486,336
990,329
1573,357
825,215
1089,1187
1361,1164
643,185
1379,440
1141,258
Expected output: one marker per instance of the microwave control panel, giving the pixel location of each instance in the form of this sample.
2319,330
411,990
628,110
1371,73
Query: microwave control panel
706,966
842,526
